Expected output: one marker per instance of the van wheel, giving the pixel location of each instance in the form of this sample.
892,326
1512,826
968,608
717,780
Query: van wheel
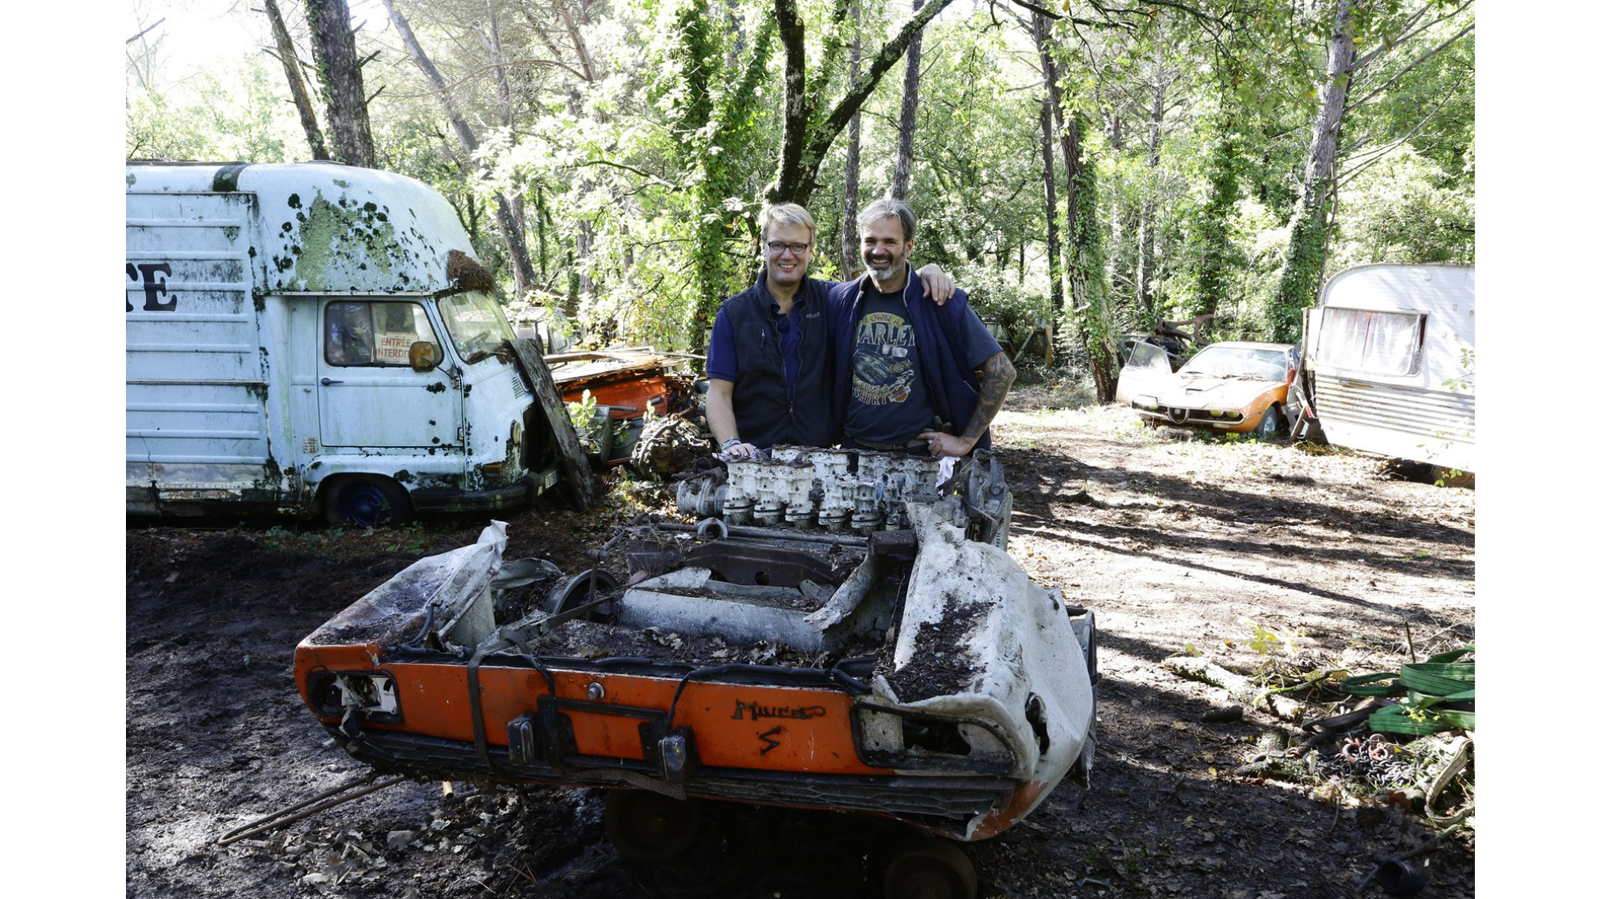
368,503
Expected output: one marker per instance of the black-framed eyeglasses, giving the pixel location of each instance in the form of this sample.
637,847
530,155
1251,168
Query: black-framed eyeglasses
777,247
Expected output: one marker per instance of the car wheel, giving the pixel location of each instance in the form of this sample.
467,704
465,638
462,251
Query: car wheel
1271,423
649,827
368,503
930,868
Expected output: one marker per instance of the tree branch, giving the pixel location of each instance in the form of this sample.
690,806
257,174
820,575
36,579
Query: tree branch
144,32
1055,16
890,54
653,178
1419,61
1385,150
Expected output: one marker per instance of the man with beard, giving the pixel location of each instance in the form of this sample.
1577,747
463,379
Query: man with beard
770,363
910,377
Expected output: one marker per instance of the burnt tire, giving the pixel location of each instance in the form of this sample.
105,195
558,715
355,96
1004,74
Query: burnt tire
930,868
368,503
579,589
649,827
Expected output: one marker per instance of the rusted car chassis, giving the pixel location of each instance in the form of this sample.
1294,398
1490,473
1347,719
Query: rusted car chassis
911,672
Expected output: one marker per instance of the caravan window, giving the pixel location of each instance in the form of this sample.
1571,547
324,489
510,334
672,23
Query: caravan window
374,333
1379,343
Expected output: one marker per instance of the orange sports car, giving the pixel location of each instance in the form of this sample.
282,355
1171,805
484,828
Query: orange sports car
1234,386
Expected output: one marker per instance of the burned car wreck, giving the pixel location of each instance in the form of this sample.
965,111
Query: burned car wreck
838,632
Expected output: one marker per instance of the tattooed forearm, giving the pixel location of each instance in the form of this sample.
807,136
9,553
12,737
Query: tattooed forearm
994,379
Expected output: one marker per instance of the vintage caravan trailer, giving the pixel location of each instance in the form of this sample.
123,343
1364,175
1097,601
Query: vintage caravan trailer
1389,361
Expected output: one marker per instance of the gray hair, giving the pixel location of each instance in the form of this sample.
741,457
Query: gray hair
787,214
889,207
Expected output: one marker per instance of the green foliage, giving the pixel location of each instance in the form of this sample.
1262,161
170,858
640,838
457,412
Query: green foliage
1469,363
641,184
1217,253
1000,297
239,113
1266,642
1301,277
1403,209
582,412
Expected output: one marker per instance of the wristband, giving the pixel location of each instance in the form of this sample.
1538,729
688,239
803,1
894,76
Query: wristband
731,441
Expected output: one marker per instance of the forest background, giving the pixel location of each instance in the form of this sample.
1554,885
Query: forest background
1092,167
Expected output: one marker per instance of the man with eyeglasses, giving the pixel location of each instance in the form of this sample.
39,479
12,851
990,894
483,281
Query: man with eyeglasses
770,363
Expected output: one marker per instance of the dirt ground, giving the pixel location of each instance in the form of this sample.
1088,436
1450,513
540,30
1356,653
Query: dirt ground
1250,554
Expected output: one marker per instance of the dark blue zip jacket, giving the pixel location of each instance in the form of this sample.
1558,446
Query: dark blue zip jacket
761,403
953,386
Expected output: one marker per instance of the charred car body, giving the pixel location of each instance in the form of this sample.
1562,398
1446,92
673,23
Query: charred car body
880,652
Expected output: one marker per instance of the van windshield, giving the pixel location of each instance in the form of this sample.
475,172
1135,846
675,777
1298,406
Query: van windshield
475,323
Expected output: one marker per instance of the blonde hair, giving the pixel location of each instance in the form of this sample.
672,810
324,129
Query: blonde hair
787,214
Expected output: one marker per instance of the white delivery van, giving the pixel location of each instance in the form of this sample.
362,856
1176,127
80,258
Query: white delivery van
1390,358
294,344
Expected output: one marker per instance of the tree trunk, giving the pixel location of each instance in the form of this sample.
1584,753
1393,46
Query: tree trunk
1085,269
297,85
1147,213
1212,227
510,230
1047,149
579,46
333,46
805,142
542,218
1301,275
1085,265
512,223
849,232
901,190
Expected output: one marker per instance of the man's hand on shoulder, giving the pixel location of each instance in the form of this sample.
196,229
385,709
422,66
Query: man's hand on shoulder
936,285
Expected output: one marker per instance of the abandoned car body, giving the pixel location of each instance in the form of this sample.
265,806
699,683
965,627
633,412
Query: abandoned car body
1233,386
914,672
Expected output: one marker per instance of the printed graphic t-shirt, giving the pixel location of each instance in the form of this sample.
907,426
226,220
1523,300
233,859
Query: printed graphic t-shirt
889,401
